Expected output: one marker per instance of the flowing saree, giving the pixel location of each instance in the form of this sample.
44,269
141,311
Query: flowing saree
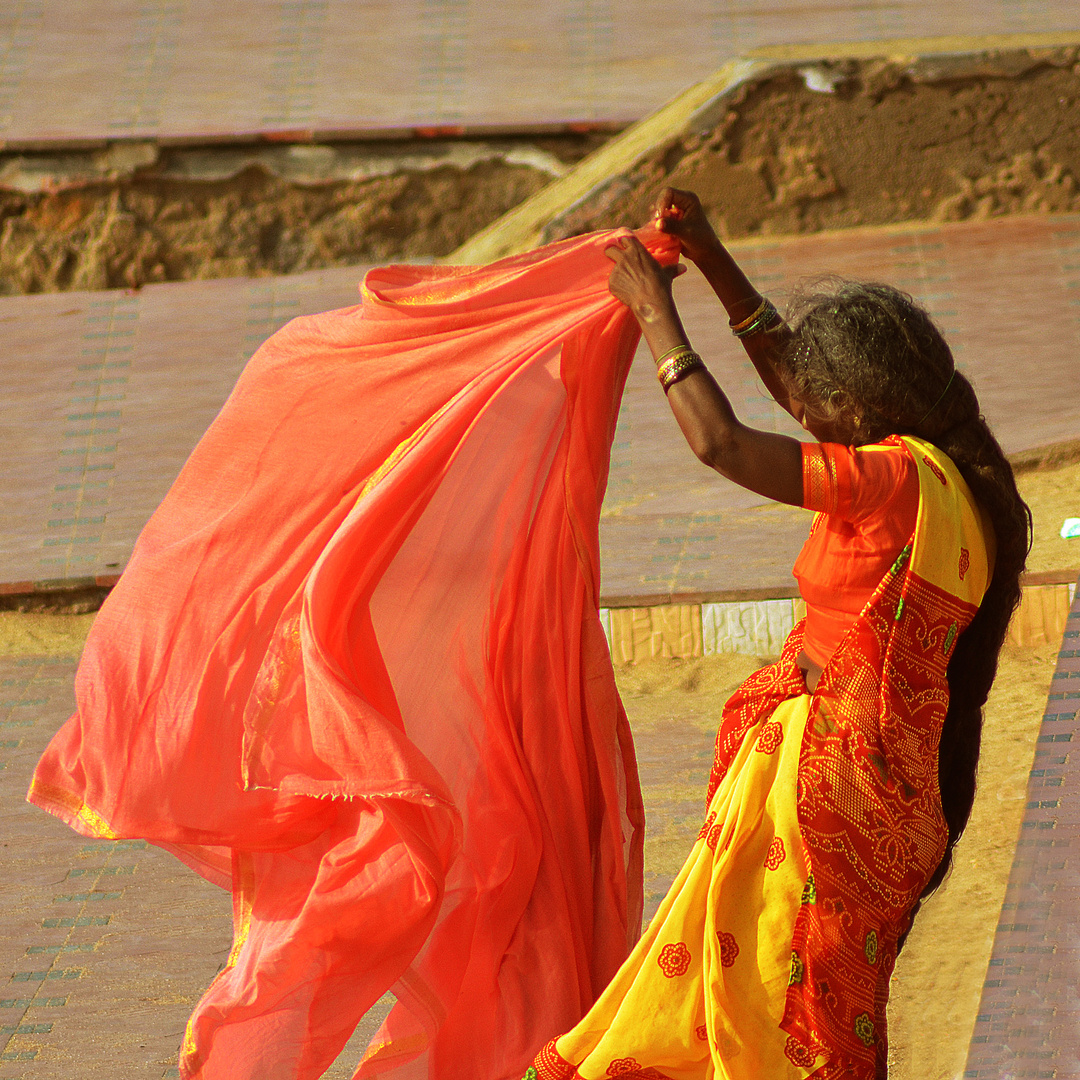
771,955
355,672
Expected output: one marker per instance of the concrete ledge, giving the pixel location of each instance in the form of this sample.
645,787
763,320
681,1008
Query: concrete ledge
689,630
700,107
521,228
1046,457
942,45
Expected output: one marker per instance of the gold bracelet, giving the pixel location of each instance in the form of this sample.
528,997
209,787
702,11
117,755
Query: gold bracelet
689,356
671,352
737,326
767,320
683,350
678,368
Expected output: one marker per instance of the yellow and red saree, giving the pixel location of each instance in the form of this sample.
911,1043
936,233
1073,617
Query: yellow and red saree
771,955
355,672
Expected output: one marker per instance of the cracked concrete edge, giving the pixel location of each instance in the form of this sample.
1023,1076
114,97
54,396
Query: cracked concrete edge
295,163
927,59
521,228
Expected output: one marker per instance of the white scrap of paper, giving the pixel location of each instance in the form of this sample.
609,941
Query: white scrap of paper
1070,529
821,80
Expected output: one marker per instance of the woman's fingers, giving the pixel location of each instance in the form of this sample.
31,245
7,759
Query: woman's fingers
627,248
618,249
675,204
664,201
636,275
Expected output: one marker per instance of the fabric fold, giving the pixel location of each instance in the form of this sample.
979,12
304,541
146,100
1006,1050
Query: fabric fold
356,657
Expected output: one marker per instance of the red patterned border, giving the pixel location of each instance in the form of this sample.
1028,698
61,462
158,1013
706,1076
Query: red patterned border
872,735
550,1065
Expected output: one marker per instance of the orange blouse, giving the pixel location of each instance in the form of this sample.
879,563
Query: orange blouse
867,499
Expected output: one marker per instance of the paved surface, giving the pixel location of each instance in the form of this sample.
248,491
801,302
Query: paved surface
106,946
1029,1018
78,69
106,394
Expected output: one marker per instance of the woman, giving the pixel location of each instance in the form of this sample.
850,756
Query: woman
844,773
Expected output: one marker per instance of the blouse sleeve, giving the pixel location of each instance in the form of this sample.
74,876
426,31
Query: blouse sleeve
855,482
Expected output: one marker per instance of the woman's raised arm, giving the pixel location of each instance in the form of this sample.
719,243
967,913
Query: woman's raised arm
680,214
764,462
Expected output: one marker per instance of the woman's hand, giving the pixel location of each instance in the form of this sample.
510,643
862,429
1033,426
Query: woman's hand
679,213
639,281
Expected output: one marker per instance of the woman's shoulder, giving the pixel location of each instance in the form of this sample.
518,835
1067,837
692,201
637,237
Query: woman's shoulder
890,457
853,481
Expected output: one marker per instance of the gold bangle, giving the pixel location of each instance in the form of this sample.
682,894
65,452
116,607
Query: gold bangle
671,352
683,350
678,368
736,326
767,320
689,356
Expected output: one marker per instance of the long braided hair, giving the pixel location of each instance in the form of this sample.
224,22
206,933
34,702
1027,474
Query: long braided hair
867,354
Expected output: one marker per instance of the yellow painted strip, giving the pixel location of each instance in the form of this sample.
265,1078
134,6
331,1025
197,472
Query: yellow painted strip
520,229
916,46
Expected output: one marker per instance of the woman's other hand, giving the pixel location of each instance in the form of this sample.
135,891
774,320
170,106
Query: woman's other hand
639,281
680,214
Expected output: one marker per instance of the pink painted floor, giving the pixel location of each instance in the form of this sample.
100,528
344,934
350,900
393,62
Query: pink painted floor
105,69
1029,1017
106,393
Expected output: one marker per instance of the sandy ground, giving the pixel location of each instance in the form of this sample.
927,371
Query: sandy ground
1053,496
220,212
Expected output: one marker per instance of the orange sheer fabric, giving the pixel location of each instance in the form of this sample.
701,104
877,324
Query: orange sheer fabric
867,500
355,671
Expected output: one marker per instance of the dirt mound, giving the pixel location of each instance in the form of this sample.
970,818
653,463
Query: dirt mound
163,220
835,145
800,148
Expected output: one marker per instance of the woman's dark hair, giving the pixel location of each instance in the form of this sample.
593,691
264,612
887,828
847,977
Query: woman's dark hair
868,354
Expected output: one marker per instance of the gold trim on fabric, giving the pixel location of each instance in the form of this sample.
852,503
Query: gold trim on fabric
279,663
386,1055
440,288
189,1052
244,896
439,297
401,450
818,480
66,800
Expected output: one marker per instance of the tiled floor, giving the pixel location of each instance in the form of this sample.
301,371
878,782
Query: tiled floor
106,946
81,69
106,393
1029,1018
